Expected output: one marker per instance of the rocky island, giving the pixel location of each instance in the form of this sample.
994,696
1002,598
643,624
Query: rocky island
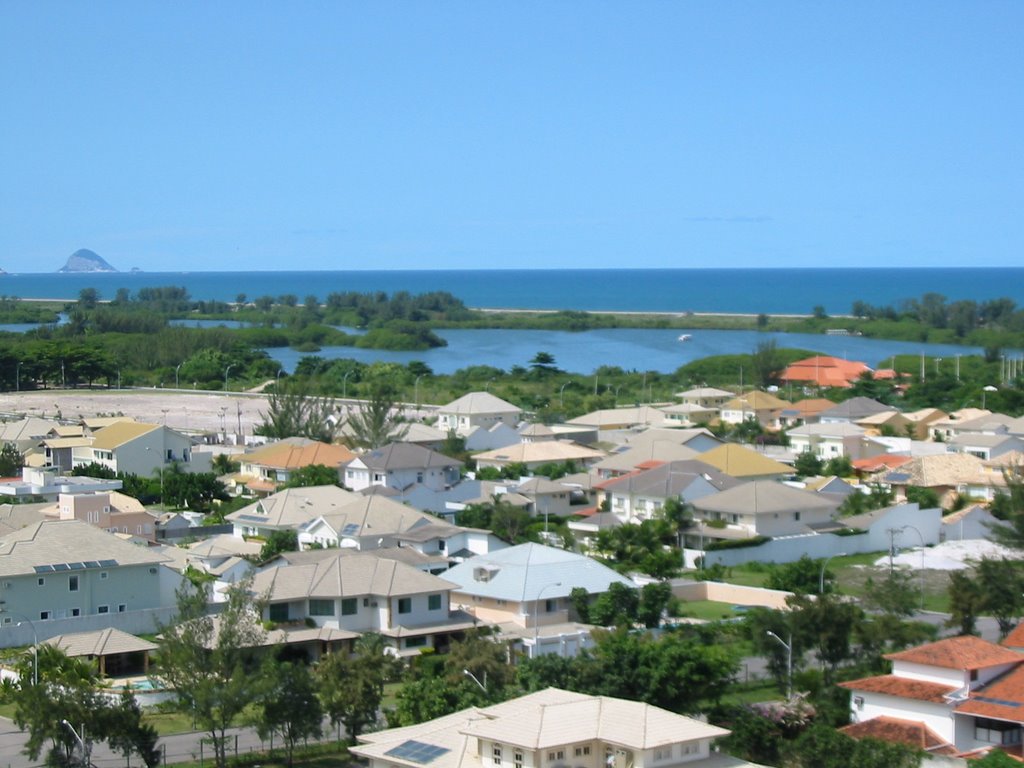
84,260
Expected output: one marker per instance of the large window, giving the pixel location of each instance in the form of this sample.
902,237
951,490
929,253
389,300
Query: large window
434,602
320,607
278,611
405,605
996,731
349,606
73,583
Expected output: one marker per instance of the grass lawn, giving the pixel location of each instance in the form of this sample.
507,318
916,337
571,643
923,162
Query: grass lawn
709,610
168,722
760,690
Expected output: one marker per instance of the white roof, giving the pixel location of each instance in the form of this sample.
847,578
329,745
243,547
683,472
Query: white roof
479,402
545,719
523,572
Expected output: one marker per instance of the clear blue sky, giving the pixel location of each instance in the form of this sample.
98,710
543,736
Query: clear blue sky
375,135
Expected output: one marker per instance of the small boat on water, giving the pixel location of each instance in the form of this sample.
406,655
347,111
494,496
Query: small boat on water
685,337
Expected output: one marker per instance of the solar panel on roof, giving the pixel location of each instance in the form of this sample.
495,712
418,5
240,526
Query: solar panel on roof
1000,702
350,529
43,568
61,567
252,518
897,477
416,752
91,564
76,566
107,563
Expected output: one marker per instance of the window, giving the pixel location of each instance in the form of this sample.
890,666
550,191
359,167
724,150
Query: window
405,605
416,642
496,754
40,581
278,612
996,731
349,606
517,758
44,615
121,607
554,756
321,607
665,753
434,603
796,515
103,609
73,583
581,751
551,605
103,575
76,611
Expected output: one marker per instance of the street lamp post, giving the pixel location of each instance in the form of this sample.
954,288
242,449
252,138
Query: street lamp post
536,613
226,372
344,384
471,676
176,369
789,661
821,577
17,377
416,391
560,391
83,745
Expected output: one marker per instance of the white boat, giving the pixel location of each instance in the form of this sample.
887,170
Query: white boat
685,337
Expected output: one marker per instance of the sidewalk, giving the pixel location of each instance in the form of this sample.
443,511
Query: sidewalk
177,748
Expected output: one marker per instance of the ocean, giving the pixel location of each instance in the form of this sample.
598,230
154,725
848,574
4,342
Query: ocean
741,291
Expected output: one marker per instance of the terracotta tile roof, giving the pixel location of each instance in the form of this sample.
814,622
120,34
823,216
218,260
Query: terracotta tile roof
1016,637
1002,699
825,371
877,463
964,652
892,729
890,685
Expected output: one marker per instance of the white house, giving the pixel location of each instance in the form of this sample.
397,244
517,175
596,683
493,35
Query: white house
140,449
964,691
551,728
401,465
477,410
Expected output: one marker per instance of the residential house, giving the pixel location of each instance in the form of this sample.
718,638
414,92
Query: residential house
65,575
536,495
743,463
401,465
288,510
961,692
706,397
48,485
58,452
141,449
853,410
362,592
640,495
985,446
27,433
890,422
267,468
534,455
688,414
551,728
525,590
374,522
921,422
113,512
761,508
943,429
824,371
806,411
826,441
763,407
972,522
498,436
949,475
608,419
477,410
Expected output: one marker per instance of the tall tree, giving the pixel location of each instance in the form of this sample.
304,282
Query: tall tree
288,705
352,686
208,663
295,411
129,733
378,420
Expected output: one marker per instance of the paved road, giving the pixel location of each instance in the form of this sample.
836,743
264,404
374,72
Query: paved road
177,748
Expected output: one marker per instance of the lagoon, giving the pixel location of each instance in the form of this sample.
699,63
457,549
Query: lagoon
640,349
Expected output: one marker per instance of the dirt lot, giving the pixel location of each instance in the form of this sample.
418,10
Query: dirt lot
194,412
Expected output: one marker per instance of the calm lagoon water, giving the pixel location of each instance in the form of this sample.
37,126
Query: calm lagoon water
637,349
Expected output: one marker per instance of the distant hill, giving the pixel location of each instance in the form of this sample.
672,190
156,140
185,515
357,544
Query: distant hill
84,260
